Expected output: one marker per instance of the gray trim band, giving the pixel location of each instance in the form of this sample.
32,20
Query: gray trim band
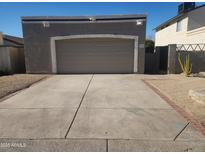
75,22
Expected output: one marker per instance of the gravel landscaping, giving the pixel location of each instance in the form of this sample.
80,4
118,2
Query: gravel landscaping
177,87
12,83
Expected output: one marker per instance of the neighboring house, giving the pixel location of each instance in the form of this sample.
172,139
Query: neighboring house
11,54
9,40
85,44
187,27
183,34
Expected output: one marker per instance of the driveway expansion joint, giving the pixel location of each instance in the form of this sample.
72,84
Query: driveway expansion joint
79,106
107,150
181,131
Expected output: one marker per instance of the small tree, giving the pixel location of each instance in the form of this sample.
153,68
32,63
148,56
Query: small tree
186,66
149,46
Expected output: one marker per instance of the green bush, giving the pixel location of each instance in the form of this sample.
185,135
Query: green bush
149,46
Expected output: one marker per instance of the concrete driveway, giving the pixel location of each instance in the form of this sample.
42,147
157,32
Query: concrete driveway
94,113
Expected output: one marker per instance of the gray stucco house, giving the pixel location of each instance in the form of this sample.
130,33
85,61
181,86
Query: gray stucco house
84,44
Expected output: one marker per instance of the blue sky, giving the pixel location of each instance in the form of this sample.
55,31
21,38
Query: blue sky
10,13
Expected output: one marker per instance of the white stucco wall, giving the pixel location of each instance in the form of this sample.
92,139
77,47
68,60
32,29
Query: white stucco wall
169,35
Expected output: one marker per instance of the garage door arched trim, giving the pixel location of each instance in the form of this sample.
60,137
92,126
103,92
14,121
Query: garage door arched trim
130,37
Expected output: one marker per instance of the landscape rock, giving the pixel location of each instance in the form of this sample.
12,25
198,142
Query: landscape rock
198,96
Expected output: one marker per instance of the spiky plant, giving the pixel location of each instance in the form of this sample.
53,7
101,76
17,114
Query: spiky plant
186,66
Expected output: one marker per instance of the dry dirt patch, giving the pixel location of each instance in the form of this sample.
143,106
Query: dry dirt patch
176,87
12,83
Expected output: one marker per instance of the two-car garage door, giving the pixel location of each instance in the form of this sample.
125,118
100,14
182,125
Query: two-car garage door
95,55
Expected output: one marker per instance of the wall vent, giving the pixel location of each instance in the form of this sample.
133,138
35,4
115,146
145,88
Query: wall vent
46,24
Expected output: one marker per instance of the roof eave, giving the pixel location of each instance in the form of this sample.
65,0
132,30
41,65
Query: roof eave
83,18
176,18
170,21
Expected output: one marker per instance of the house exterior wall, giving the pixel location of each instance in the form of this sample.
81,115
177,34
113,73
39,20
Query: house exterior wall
196,19
169,35
193,30
37,40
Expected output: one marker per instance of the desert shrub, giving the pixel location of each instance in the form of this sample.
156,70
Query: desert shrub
186,66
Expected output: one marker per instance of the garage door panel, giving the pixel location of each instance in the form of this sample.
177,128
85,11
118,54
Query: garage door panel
95,55
86,64
96,51
95,70
103,58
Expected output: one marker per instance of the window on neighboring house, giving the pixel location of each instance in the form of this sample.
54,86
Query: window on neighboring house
179,25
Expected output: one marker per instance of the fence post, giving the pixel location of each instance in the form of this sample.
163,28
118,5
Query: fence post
171,59
1,38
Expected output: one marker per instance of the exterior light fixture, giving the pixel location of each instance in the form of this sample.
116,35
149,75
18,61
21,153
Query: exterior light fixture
139,22
92,19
